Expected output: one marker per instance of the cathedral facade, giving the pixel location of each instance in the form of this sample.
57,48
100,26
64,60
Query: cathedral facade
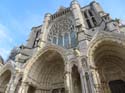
75,50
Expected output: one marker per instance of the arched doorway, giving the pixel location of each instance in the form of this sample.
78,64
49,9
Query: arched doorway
4,80
109,60
76,81
47,73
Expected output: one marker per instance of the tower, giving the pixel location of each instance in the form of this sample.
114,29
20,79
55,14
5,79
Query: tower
76,50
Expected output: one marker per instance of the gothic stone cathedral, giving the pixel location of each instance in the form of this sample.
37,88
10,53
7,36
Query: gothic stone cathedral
76,50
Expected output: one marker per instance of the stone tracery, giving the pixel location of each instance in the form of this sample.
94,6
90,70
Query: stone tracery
46,71
63,29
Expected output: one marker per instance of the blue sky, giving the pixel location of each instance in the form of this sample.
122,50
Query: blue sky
17,17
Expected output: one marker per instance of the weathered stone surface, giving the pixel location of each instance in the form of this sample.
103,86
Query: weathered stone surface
76,50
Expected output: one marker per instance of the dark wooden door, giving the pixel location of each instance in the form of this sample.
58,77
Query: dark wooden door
117,86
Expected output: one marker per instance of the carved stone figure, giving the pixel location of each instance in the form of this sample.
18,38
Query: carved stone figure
75,50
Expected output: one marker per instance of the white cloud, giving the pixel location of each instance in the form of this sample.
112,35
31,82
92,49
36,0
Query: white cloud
4,52
4,35
20,27
5,42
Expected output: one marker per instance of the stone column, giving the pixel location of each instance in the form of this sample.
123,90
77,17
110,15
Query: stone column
96,81
69,88
24,88
89,82
68,79
83,83
15,83
85,75
82,71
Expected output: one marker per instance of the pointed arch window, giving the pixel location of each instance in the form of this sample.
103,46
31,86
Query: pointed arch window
73,39
90,13
54,40
85,14
66,40
90,18
60,40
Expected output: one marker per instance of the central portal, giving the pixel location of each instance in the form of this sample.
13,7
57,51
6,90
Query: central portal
48,74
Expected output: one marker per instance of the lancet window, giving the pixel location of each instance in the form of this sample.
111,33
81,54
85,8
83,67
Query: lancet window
90,18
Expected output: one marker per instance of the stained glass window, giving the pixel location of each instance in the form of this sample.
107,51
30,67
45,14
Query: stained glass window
73,39
60,40
66,40
54,40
